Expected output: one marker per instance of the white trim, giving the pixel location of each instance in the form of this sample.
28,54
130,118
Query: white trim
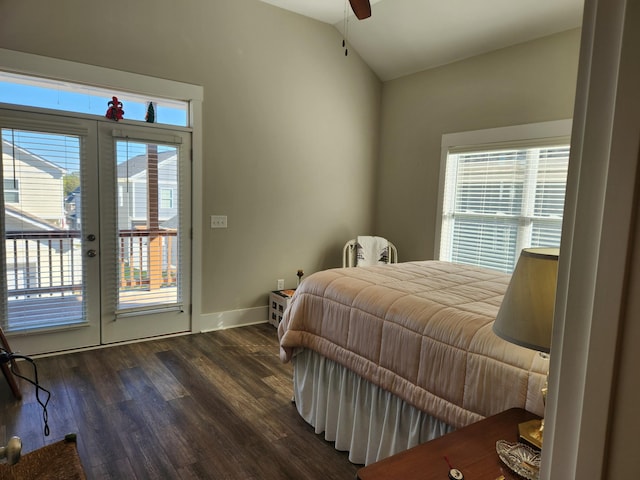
492,137
36,65
593,285
233,318
197,175
499,135
109,345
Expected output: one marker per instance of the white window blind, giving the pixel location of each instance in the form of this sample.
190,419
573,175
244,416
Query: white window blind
43,276
148,227
498,201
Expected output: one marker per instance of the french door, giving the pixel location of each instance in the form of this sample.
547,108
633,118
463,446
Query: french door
93,221
145,210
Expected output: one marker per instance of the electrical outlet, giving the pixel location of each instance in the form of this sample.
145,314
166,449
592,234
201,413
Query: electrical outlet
218,221
281,284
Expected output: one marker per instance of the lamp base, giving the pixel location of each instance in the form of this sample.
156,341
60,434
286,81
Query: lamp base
531,432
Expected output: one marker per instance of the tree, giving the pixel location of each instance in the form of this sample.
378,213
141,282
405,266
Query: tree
70,182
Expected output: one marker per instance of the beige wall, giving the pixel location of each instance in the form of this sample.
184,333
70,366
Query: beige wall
290,123
531,82
284,114
293,129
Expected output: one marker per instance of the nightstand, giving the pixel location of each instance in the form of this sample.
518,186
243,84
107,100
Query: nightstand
471,449
279,300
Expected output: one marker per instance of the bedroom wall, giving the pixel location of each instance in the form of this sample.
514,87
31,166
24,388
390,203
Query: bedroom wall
530,82
290,126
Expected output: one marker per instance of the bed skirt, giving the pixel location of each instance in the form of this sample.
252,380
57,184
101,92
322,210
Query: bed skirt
361,418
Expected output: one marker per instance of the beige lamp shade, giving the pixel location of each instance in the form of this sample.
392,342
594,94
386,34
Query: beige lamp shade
526,313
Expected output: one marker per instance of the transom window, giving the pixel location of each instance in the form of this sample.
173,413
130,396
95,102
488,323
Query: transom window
31,91
500,198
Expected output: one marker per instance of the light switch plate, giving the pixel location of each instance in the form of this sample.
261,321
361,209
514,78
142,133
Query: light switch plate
218,221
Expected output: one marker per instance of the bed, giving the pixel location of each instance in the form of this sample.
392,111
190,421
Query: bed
387,357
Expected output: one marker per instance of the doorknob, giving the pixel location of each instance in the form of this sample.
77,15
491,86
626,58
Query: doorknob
91,237
91,253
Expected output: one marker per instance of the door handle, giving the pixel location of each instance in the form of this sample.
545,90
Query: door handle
91,253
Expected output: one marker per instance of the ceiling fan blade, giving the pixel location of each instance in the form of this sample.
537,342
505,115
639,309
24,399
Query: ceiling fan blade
361,8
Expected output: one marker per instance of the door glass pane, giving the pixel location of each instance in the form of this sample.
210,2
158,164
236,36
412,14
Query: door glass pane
147,202
42,248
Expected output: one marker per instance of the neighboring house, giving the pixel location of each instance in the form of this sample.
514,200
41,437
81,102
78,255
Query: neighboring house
133,212
40,254
17,220
25,175
132,190
73,209
132,199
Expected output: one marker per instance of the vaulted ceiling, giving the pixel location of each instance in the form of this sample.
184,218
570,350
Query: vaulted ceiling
407,36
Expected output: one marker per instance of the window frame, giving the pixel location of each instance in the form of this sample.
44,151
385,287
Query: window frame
516,136
166,202
13,190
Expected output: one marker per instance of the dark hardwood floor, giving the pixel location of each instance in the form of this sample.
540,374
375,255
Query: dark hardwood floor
211,406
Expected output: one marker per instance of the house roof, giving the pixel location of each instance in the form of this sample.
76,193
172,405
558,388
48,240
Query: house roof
19,220
138,164
24,155
170,224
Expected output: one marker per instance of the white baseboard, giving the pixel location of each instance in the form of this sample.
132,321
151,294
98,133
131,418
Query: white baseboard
233,318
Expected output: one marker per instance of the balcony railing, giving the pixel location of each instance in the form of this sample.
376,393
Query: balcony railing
147,259
50,263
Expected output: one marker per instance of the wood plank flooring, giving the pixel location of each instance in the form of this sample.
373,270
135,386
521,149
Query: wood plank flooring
206,406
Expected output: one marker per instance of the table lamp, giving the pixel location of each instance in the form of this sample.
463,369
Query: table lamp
525,317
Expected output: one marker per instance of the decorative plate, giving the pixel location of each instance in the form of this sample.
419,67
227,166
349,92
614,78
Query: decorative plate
520,458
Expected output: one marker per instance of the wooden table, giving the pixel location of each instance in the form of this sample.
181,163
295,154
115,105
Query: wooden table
471,449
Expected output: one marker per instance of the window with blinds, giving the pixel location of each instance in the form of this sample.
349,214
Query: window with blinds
498,201
43,277
148,217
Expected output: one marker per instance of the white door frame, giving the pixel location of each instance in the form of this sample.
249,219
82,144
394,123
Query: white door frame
30,64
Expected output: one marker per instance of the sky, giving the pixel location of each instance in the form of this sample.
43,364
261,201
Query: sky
88,100
73,98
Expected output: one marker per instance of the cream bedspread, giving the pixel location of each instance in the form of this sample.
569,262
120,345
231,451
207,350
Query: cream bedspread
421,330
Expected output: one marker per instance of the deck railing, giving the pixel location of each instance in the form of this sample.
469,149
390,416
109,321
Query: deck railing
147,259
50,263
